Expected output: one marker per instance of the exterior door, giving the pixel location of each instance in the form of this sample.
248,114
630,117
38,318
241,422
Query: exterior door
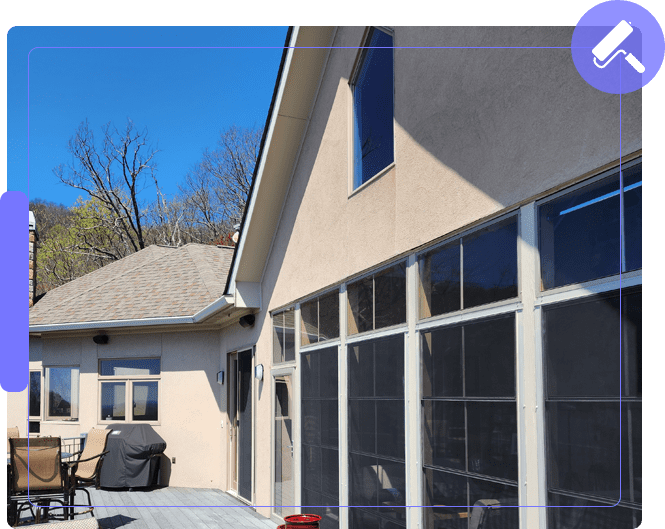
244,425
283,428
233,390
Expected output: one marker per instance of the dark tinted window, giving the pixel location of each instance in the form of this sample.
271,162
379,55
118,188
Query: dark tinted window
376,432
329,316
35,393
580,232
145,401
490,264
440,276
373,108
309,314
320,439
378,301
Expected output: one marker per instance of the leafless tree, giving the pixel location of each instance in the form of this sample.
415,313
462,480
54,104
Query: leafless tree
217,188
114,174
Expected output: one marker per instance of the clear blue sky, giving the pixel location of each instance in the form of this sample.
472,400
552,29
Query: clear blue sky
185,97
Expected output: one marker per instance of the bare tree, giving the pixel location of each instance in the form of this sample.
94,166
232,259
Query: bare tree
114,174
217,188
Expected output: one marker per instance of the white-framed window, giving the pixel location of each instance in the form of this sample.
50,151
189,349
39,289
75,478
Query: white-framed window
62,393
373,107
319,319
129,389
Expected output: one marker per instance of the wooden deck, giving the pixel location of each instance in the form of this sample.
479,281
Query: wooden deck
173,508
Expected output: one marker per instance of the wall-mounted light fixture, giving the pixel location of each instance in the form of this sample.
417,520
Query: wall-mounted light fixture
220,377
247,321
100,339
258,372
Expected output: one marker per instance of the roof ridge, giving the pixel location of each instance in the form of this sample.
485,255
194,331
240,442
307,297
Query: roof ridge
112,278
205,273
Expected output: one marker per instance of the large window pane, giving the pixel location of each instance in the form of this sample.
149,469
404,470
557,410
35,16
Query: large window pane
129,367
442,488
444,434
35,393
489,357
490,263
582,346
63,392
580,234
492,439
376,432
377,301
443,365
145,401
373,108
113,401
440,279
320,438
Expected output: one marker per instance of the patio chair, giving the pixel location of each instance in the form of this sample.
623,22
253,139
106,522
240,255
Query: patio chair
86,469
37,477
12,433
85,523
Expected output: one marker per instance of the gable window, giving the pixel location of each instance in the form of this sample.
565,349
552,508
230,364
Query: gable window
373,108
62,390
129,389
284,337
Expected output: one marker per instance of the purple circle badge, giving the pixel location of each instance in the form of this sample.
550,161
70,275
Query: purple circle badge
618,47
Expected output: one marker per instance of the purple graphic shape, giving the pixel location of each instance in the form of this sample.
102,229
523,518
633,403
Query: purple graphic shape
613,43
13,294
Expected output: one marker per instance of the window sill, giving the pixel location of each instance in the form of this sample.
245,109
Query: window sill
59,421
378,175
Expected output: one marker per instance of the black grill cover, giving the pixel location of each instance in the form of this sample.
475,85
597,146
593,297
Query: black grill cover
133,458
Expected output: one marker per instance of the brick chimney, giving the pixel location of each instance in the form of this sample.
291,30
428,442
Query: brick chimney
33,257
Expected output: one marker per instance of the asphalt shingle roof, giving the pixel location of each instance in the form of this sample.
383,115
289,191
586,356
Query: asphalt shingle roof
157,282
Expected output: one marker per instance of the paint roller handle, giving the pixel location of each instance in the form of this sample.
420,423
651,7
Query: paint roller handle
635,63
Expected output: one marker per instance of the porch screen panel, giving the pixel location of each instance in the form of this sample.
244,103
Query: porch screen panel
376,433
245,425
593,359
320,438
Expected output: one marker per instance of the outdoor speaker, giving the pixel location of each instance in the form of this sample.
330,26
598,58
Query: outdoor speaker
247,321
101,339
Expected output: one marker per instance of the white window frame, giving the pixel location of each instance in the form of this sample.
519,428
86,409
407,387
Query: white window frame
129,381
46,391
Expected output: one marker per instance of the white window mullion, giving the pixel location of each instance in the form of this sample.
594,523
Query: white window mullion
342,377
412,416
529,378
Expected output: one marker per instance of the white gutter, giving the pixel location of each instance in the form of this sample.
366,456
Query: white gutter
259,174
217,305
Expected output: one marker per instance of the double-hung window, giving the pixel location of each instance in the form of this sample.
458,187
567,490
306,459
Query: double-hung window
129,389
372,85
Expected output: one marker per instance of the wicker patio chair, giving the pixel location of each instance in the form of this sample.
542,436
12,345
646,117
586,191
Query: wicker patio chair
12,433
37,478
86,469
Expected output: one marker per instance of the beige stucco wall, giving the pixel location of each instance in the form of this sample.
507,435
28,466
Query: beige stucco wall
476,132
189,396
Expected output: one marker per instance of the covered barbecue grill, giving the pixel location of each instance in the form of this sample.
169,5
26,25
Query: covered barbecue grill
133,459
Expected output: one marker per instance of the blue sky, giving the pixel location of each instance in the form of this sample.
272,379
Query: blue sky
184,97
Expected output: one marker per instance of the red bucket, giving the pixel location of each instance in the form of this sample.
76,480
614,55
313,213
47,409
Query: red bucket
301,521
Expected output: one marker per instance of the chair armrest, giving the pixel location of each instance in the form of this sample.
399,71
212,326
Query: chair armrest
74,463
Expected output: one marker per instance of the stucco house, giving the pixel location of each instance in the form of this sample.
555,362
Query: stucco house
441,253
136,341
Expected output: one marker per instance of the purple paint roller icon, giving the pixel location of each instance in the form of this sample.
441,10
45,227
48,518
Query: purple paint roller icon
611,42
